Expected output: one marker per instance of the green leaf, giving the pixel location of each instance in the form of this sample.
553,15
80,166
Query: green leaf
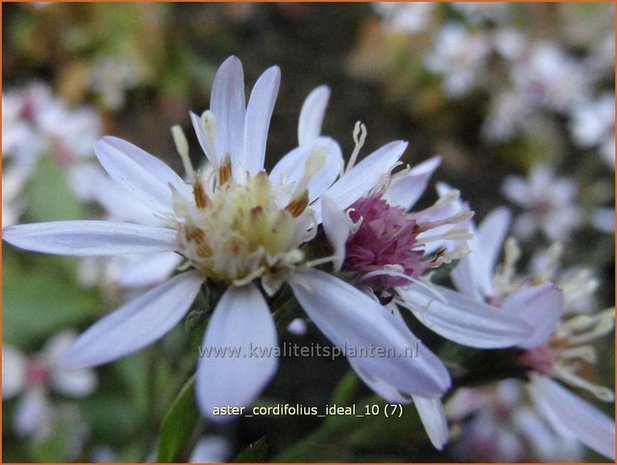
110,417
50,196
256,452
179,424
42,299
345,390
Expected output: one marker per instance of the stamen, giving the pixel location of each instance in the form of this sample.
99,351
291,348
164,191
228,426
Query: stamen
250,277
300,199
451,235
195,235
208,124
565,374
579,286
179,204
201,199
313,163
298,205
388,270
457,218
603,327
353,227
586,353
224,172
359,136
182,146
507,271
320,261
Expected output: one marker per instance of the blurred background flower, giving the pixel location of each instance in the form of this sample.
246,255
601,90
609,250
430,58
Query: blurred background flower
517,98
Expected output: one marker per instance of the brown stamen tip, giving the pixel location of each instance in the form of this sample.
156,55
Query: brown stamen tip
297,205
436,259
225,171
201,199
195,234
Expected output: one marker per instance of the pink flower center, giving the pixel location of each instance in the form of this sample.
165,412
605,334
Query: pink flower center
36,373
541,359
385,241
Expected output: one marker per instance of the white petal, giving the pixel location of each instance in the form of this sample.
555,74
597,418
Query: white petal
365,175
13,371
258,114
74,383
227,104
211,449
543,440
291,168
32,413
462,319
572,416
241,321
90,238
354,323
336,227
56,346
153,165
434,420
119,203
312,115
406,189
381,388
486,247
135,176
136,324
541,307
146,270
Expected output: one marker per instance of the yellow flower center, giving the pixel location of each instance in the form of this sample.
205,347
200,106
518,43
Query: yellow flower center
235,232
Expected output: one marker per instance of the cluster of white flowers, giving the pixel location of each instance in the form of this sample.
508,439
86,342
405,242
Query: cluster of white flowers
232,225
35,123
31,377
525,76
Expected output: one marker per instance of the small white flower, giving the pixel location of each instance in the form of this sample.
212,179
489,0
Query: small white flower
32,377
534,77
35,123
549,204
593,124
499,425
111,78
211,449
459,55
411,18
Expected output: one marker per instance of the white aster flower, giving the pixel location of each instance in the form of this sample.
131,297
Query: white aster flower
238,227
411,17
111,78
459,56
534,77
578,283
35,123
549,204
477,13
555,348
593,124
31,377
498,424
